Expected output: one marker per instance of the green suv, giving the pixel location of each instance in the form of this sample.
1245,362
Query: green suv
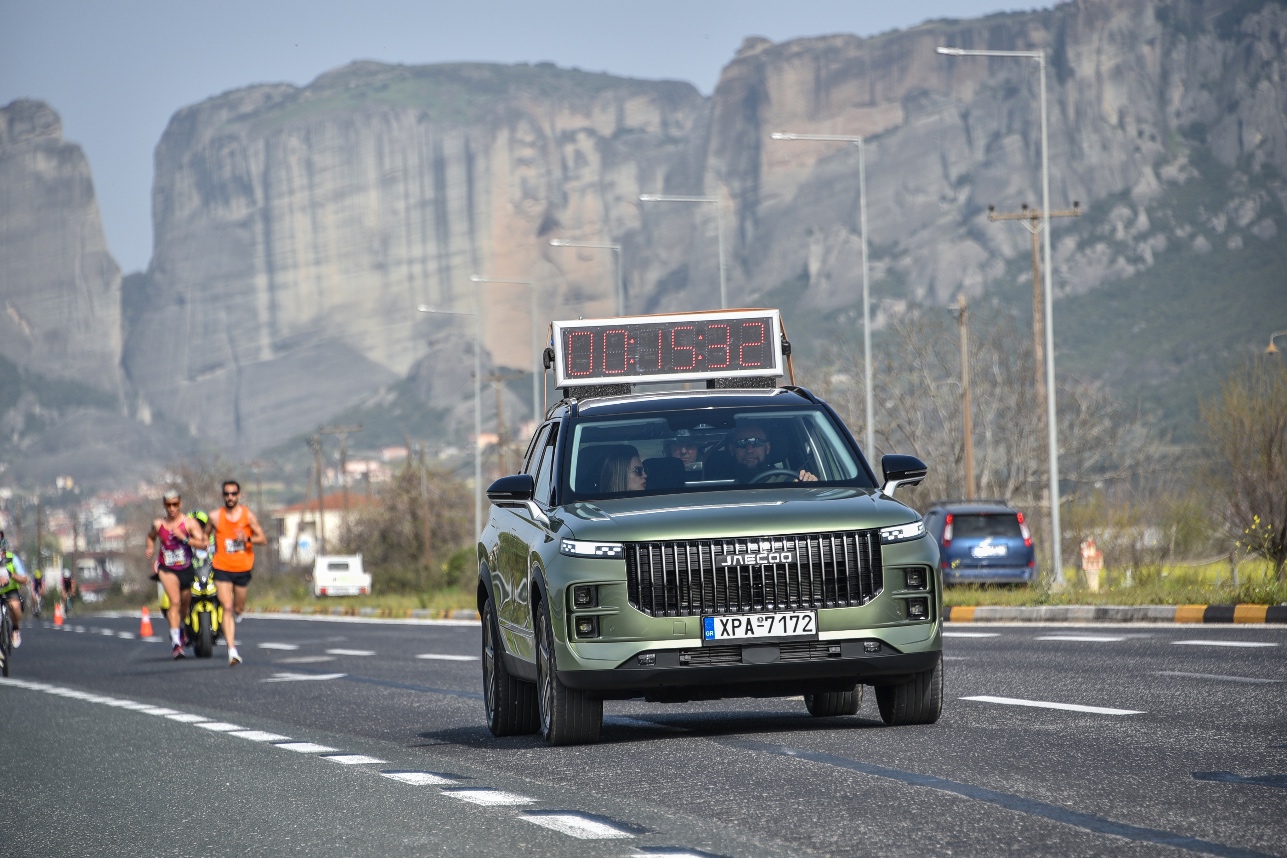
696,545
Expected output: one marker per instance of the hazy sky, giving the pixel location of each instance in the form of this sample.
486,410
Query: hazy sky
116,71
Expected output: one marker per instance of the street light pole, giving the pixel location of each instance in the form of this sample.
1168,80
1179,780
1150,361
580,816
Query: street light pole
478,410
619,283
866,293
1053,435
536,338
719,228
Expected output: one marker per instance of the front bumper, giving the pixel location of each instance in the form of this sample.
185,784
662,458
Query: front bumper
989,575
763,670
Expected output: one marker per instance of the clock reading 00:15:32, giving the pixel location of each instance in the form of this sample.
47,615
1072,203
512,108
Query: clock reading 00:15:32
714,345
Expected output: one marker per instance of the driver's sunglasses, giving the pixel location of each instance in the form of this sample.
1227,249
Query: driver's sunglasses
637,470
231,494
743,443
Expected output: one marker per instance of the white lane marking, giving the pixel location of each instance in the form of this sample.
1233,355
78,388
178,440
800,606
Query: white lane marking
1183,675
1223,643
188,718
668,854
151,639
971,634
1089,638
439,656
282,646
487,796
354,759
350,652
159,710
302,677
957,658
130,704
1041,704
306,747
129,636
419,778
108,632
576,825
259,736
306,659
78,629
220,726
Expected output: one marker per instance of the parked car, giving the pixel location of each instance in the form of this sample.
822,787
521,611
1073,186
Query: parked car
340,575
982,542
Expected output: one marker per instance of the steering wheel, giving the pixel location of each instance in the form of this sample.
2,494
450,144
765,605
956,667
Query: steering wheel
764,476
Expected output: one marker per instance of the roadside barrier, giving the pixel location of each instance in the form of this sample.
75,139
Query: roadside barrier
145,624
1117,614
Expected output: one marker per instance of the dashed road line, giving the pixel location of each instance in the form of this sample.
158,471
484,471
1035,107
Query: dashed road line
438,656
159,710
1043,704
221,727
354,652
1086,638
1214,676
1224,643
259,736
306,659
578,825
353,759
971,634
306,747
302,677
274,645
416,778
188,718
488,797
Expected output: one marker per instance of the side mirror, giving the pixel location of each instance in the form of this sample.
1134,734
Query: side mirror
518,488
901,471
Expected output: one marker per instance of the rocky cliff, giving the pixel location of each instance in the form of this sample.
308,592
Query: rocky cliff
298,228
60,287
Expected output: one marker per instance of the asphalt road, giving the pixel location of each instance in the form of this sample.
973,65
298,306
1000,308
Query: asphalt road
1175,744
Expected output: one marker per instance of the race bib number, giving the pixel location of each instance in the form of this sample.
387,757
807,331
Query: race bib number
177,557
234,546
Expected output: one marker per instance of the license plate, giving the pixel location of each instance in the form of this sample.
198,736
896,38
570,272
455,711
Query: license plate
740,627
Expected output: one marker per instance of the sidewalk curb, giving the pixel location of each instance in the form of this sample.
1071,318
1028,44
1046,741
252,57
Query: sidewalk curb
1118,614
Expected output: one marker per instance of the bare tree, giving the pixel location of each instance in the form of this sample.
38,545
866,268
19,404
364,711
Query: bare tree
1247,431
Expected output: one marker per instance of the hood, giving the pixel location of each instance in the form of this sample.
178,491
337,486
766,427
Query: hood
751,512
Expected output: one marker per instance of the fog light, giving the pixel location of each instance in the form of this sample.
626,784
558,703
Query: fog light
685,658
916,579
584,596
587,627
918,609
871,646
648,658
833,650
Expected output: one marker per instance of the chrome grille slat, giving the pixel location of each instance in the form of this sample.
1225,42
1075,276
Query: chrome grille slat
680,578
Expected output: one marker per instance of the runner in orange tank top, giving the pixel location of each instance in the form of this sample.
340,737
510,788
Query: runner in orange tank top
236,530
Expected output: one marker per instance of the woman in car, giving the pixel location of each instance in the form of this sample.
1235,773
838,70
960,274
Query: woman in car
623,472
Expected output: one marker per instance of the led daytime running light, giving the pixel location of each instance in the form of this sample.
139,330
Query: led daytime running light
902,532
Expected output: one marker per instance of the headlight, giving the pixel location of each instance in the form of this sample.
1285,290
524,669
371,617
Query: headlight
902,532
606,550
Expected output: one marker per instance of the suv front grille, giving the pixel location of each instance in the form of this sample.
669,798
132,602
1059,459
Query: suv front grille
827,570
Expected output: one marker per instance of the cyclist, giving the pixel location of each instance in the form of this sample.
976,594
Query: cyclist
173,535
37,592
12,577
69,590
236,531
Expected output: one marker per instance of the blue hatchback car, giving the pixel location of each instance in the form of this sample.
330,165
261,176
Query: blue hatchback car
982,542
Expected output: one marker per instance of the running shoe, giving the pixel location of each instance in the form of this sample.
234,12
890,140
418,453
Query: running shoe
177,652
234,658
17,638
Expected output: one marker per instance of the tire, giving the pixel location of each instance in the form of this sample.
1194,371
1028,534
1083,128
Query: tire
204,644
917,702
6,643
568,716
510,702
828,704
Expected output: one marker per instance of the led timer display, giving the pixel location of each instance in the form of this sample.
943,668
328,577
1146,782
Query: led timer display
657,348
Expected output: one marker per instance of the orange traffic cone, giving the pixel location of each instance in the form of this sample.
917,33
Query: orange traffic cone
145,625
58,615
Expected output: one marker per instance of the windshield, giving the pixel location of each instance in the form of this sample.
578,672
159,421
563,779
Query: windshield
708,450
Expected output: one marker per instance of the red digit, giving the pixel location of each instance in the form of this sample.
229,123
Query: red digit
675,346
660,334
609,353
728,336
574,359
741,350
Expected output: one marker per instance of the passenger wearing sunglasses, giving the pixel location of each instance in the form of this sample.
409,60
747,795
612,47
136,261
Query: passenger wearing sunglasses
169,547
751,451
236,531
623,472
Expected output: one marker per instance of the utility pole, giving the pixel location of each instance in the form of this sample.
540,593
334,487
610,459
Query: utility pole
342,432
498,380
967,418
315,444
40,512
1032,221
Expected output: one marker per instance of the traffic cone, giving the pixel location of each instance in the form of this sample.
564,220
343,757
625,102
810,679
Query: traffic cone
145,625
58,615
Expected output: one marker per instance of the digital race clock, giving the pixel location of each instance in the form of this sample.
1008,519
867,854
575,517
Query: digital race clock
726,344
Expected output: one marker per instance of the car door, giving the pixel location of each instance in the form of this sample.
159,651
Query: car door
525,531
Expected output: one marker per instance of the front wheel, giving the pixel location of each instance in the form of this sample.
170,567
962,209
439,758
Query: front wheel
568,716
6,642
828,704
919,701
511,703
204,645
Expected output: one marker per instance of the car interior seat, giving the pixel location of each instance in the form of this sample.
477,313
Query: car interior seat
665,472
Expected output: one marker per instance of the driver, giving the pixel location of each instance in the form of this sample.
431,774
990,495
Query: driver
685,449
751,451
